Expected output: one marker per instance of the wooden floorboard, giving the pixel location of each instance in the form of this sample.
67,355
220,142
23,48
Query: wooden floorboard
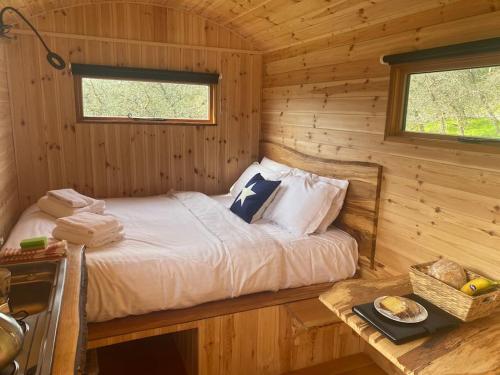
357,364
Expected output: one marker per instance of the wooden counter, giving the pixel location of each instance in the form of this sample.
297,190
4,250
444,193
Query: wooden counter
473,348
71,332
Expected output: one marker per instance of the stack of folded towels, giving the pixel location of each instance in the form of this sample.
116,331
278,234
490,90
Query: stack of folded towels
67,202
89,229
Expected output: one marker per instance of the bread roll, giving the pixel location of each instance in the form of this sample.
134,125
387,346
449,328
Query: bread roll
401,307
449,272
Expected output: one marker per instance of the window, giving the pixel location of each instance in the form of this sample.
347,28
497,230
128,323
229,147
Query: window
463,102
452,98
109,94
143,100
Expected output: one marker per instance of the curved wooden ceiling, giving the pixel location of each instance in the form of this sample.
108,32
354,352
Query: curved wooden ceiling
274,24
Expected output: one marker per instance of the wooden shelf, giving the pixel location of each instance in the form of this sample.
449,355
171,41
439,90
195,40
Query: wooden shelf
472,348
357,364
310,313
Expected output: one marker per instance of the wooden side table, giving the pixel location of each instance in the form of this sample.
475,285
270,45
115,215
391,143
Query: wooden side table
473,348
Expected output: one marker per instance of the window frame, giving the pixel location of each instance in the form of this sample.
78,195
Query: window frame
398,95
81,118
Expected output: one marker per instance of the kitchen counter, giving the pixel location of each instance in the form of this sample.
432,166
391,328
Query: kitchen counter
72,330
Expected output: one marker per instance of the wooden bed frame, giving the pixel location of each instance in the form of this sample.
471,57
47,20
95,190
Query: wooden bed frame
358,217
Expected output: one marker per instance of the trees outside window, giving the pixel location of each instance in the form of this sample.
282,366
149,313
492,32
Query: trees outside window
114,94
115,98
462,102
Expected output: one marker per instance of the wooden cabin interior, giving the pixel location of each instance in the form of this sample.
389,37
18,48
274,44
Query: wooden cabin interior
400,98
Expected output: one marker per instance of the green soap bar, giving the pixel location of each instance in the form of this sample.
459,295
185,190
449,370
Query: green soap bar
34,243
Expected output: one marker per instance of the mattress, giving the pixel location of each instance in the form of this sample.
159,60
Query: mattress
186,248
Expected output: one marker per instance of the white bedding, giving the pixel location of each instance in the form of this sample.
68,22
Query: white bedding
187,248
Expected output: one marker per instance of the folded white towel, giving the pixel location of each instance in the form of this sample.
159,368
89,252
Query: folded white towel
86,237
89,241
57,209
88,223
70,198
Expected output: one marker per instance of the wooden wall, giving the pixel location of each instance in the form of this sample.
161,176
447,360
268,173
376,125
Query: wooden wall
323,95
107,160
271,24
9,198
328,97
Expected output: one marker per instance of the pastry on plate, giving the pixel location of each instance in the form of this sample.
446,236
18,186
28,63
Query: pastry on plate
401,307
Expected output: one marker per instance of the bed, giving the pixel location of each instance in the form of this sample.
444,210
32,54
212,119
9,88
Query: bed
266,266
186,248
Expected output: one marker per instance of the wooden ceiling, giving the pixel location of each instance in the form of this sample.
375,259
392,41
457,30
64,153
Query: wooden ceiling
274,24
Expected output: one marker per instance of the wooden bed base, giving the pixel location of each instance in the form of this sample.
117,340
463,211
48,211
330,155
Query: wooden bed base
255,333
160,322
140,326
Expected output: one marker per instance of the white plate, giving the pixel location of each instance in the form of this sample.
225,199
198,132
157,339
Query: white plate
416,319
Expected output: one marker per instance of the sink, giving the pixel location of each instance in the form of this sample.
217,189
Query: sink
31,287
35,296
31,297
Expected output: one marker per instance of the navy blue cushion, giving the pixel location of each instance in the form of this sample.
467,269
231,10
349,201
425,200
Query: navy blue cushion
253,196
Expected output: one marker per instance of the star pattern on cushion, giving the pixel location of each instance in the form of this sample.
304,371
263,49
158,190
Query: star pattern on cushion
245,193
253,197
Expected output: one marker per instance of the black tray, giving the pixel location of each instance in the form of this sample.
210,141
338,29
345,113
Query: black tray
399,333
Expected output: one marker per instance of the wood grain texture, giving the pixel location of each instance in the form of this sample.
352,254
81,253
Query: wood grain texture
473,348
132,327
310,313
67,351
256,341
110,160
355,364
328,98
272,24
324,95
381,361
359,214
9,197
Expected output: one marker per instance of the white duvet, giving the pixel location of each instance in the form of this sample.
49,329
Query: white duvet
184,249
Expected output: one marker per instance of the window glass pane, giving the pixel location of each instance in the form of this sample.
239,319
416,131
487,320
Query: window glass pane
144,99
463,102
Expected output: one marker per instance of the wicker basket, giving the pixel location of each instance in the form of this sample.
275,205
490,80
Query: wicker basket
457,303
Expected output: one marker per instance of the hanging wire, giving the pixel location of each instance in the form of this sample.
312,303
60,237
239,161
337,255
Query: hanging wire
53,58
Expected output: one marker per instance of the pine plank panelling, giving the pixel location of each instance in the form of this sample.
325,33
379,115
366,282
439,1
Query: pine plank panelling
273,24
482,26
399,24
328,73
328,97
9,198
110,160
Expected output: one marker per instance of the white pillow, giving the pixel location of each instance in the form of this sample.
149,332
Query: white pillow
275,166
251,171
301,204
338,200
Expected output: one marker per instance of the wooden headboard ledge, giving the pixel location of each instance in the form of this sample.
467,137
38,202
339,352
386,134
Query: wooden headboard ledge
360,213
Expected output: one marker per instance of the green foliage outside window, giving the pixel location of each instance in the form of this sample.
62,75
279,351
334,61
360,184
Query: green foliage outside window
463,102
144,99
